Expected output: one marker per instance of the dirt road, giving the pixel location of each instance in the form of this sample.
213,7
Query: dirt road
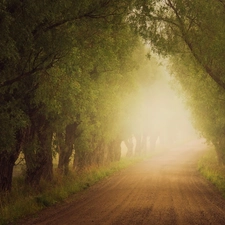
166,189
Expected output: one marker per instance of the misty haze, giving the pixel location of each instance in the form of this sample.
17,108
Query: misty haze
112,112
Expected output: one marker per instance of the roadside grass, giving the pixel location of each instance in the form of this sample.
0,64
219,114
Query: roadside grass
212,171
22,201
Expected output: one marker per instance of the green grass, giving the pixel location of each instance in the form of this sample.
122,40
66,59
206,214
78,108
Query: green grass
212,171
23,201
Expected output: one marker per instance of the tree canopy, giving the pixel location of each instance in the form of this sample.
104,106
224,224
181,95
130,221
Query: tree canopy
70,78
184,32
180,27
65,70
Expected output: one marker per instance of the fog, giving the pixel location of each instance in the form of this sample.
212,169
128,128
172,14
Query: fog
166,111
160,113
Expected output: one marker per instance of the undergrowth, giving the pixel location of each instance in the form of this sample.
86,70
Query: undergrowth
23,201
209,167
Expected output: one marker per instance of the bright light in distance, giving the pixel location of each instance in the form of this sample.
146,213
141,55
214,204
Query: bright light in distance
159,114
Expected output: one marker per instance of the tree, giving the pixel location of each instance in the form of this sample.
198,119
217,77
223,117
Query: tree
182,29
205,100
38,36
178,26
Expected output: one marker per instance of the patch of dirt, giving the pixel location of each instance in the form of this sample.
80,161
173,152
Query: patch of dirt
166,189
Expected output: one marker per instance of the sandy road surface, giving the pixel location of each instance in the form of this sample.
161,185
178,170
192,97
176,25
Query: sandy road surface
166,189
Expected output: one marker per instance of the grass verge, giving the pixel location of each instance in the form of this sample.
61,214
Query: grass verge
23,201
212,171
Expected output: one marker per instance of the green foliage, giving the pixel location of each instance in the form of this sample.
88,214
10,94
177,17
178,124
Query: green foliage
64,63
177,26
211,170
202,95
182,30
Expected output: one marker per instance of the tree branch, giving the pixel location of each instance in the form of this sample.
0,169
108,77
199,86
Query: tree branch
207,69
21,76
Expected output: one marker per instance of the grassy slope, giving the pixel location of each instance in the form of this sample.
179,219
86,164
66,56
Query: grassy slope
211,170
23,201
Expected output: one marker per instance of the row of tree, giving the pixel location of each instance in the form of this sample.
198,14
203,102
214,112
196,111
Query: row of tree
67,70
192,34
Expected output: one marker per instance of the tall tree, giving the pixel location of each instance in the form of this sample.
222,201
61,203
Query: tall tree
37,36
178,26
183,29
205,100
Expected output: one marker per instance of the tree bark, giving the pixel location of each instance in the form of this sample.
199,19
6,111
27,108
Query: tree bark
46,145
66,146
7,162
38,151
60,146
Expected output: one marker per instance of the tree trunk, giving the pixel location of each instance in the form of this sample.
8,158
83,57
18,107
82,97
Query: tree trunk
114,149
7,162
220,150
220,156
144,143
99,154
61,146
34,168
80,159
153,137
138,147
66,147
117,149
38,151
45,139
34,160
129,144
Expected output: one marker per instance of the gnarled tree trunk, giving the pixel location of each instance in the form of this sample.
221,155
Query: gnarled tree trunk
45,139
38,151
7,162
66,146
